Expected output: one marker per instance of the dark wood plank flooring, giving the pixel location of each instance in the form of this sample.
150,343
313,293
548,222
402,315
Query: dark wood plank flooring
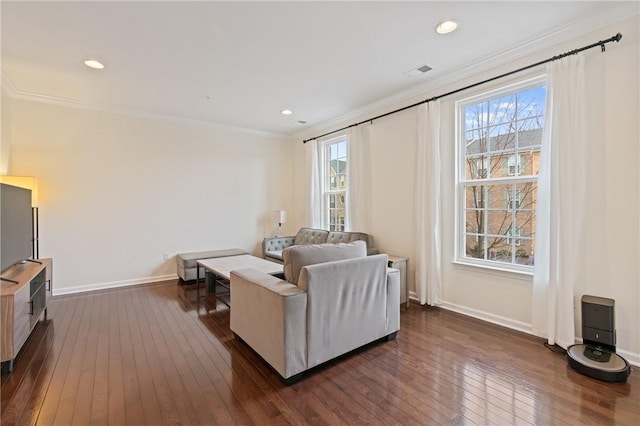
146,355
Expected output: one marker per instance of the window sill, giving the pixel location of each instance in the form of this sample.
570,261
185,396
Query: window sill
494,270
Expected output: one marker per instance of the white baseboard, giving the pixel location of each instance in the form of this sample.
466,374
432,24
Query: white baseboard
485,316
632,358
112,284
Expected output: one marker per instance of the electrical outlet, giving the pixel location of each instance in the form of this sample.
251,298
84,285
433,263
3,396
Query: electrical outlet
165,256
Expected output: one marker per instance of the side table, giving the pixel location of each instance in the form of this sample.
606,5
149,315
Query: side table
402,264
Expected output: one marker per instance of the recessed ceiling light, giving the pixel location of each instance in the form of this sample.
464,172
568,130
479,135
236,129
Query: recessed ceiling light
286,112
93,63
446,27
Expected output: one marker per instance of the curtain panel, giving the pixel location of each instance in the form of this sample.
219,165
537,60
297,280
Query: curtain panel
561,203
313,203
428,223
358,180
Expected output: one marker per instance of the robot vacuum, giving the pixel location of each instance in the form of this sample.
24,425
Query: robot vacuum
596,357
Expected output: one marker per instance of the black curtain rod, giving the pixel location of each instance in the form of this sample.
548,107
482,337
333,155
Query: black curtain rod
600,43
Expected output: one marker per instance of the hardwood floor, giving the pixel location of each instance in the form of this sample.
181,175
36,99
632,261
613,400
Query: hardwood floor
144,355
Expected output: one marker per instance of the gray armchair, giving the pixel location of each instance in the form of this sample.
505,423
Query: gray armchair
335,299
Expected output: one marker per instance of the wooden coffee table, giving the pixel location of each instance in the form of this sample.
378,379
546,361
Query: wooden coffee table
220,268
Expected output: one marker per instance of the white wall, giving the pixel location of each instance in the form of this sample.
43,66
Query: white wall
5,133
118,191
611,264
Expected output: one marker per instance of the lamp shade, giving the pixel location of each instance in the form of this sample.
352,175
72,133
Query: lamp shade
282,216
27,182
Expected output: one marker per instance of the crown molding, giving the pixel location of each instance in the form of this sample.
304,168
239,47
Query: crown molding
11,90
429,88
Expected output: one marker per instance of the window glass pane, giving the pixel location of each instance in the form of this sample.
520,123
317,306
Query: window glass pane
527,192
475,198
342,150
502,110
531,102
333,181
524,252
476,142
499,250
502,138
474,246
476,116
336,219
475,221
530,132
498,165
477,167
498,221
529,162
496,196
515,164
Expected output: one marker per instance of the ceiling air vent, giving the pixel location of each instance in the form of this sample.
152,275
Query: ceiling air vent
418,71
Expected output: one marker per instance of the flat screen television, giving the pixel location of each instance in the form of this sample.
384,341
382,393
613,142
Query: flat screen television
16,230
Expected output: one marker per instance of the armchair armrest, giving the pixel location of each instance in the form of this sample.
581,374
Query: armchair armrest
393,300
272,246
270,315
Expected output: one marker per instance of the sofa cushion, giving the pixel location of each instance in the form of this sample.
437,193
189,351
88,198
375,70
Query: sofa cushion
347,237
311,236
296,257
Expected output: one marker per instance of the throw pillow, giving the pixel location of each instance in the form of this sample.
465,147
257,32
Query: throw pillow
296,257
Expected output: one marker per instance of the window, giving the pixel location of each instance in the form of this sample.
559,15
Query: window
335,183
513,164
517,232
513,199
499,139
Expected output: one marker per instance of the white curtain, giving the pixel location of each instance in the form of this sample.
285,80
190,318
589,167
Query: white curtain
428,224
313,211
358,180
561,203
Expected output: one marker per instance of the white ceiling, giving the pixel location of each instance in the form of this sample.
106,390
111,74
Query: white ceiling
240,63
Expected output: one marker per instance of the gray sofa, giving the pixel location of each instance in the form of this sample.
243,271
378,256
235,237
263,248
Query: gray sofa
335,299
272,247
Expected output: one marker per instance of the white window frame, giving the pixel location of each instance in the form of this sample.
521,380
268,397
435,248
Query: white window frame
325,181
460,222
